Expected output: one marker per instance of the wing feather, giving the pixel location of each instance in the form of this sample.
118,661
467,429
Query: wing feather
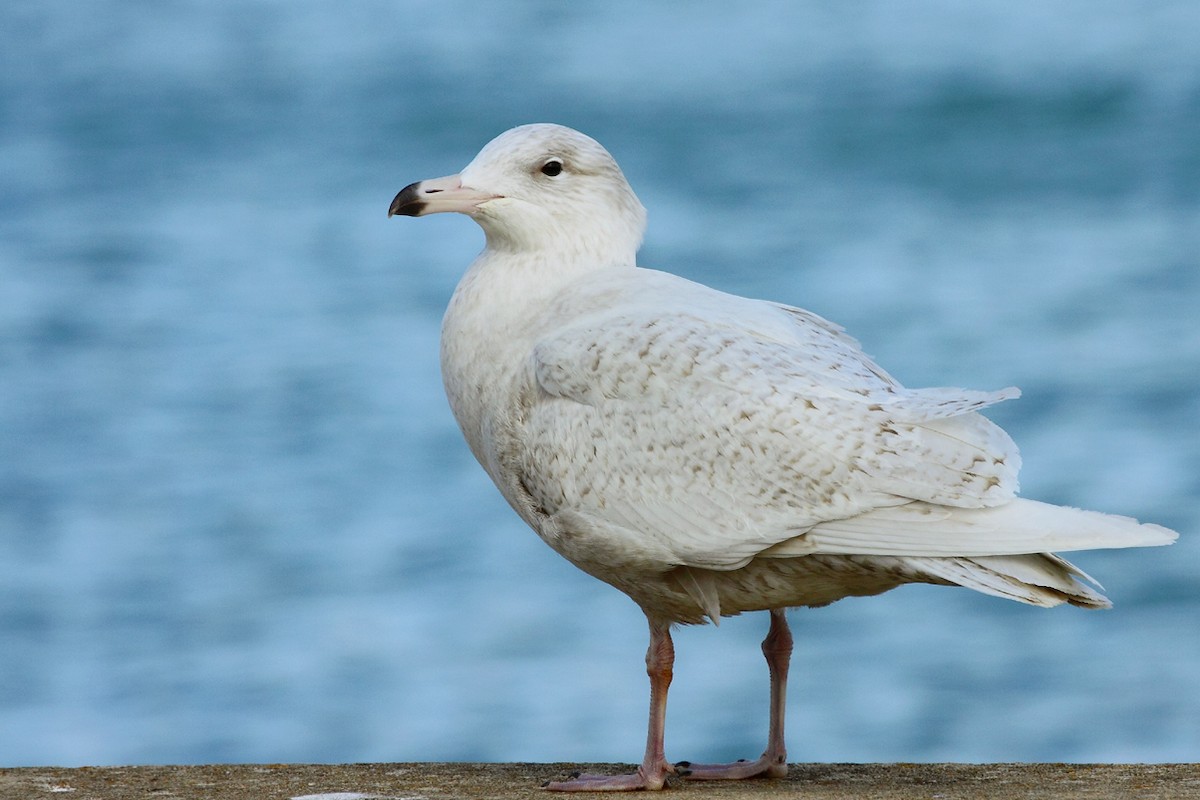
1018,527
719,438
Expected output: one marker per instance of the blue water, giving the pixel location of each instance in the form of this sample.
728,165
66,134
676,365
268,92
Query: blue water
236,519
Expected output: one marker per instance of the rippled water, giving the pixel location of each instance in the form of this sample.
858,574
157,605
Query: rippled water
236,519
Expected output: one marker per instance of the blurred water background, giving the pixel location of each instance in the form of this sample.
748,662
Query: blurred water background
237,522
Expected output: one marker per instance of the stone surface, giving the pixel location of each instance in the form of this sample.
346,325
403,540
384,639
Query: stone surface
503,781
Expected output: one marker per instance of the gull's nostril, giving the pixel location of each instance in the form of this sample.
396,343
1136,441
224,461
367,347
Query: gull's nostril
432,191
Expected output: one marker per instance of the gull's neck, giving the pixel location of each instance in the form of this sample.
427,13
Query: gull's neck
505,290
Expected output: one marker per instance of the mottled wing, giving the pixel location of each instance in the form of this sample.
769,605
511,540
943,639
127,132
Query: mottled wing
704,428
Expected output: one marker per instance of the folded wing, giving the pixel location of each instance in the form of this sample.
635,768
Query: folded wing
714,429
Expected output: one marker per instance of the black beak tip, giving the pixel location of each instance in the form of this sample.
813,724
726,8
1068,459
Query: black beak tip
407,203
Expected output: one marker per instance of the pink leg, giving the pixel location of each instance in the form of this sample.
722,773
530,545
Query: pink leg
777,648
652,774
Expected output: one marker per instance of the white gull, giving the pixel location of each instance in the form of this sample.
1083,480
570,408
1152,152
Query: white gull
709,454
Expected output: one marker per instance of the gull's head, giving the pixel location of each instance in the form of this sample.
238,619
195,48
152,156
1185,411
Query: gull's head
540,188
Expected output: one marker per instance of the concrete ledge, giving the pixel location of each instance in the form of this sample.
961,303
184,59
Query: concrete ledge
503,781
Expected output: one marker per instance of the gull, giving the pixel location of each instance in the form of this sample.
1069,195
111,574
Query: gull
709,454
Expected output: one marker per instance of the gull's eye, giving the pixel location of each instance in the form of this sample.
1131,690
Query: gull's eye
552,167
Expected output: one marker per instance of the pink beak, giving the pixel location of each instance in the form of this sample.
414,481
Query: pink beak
437,195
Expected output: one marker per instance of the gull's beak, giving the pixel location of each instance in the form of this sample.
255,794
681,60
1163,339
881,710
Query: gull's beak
437,195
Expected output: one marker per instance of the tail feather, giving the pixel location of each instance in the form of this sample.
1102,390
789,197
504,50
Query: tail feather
1041,579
